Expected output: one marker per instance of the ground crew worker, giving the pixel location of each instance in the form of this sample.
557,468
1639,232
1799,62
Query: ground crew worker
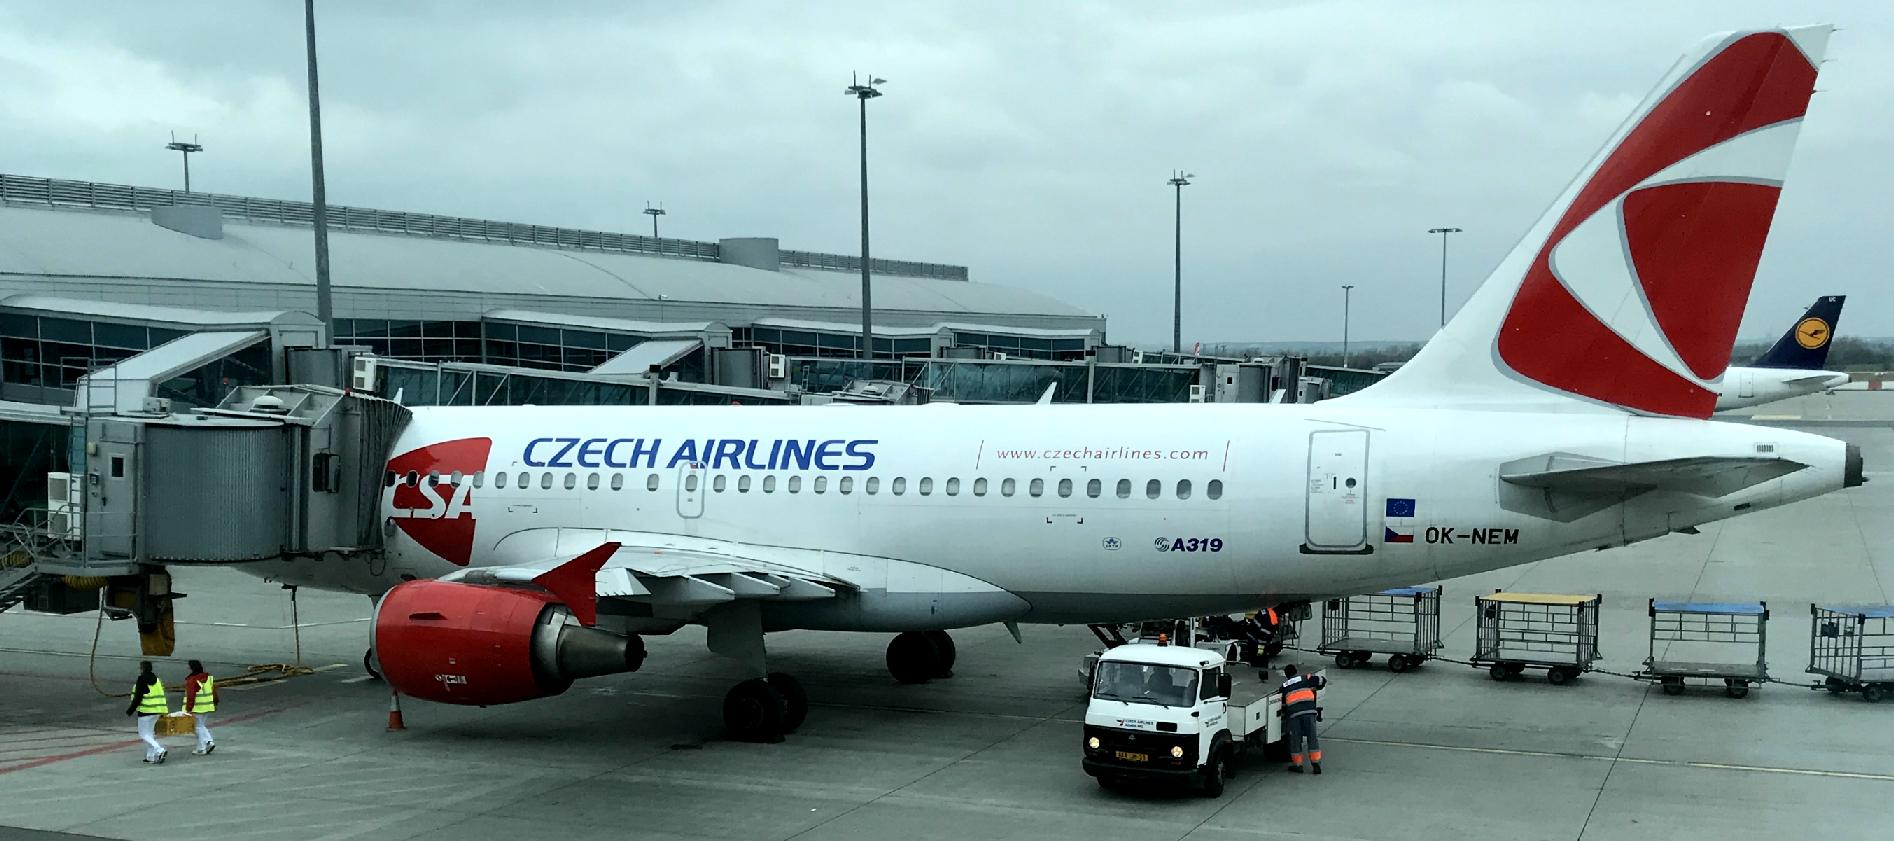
1299,717
200,699
148,702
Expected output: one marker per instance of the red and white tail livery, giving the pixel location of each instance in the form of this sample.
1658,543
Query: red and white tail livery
1629,290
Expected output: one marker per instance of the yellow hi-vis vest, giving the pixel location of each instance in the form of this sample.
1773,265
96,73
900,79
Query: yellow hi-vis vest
206,699
153,703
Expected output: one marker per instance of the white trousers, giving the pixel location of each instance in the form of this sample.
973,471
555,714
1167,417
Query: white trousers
148,730
203,732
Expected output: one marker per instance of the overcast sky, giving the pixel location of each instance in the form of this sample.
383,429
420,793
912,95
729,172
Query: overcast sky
1029,141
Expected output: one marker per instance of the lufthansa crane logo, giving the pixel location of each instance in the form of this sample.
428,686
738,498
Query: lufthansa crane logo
432,495
1811,333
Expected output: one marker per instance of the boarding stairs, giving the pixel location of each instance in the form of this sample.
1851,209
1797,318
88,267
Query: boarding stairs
24,543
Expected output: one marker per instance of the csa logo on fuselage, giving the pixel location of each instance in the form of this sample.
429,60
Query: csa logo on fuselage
432,500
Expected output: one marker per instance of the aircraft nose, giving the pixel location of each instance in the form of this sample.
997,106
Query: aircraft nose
1852,472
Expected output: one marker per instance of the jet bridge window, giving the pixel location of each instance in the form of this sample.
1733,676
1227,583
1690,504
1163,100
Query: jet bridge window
718,482
1065,488
979,487
1037,488
953,487
591,481
1183,489
1153,489
927,485
1214,490
1007,486
1094,488
1124,488
651,482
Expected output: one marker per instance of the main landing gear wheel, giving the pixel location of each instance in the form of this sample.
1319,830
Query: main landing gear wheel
368,665
944,643
914,657
754,711
795,700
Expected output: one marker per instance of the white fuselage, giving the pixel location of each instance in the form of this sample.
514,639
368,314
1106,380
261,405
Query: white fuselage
1743,387
1075,509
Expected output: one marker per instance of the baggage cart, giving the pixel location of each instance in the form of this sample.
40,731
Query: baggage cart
1403,623
1852,648
1514,632
1737,627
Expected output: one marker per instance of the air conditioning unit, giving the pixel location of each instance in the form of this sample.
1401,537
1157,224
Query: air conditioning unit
1001,355
778,366
158,405
364,374
65,506
1137,357
1196,394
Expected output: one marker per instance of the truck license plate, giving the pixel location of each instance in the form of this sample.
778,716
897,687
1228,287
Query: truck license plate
1131,757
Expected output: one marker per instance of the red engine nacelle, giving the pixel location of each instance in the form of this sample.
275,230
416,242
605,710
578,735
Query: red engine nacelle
479,645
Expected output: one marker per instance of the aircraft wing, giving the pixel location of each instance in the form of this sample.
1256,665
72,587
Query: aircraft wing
1700,475
681,576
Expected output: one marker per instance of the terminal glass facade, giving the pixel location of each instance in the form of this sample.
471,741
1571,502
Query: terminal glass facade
54,352
795,342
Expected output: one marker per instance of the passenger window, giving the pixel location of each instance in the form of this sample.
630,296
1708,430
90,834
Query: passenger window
479,479
499,479
979,487
1214,490
743,484
388,479
846,484
927,485
1153,489
1065,487
1094,488
525,479
572,480
821,484
651,482
618,481
1124,488
690,482
769,484
545,481
1007,486
719,482
1183,489
591,481
1037,488
874,484
795,484
953,487
452,478
900,485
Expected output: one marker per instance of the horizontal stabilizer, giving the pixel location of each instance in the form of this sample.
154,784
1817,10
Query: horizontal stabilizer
1710,476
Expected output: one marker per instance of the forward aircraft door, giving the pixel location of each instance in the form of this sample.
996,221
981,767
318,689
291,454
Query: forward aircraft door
690,490
1338,491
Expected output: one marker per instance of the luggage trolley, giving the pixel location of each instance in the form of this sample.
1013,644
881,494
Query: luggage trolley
1852,648
1703,625
1403,623
1517,631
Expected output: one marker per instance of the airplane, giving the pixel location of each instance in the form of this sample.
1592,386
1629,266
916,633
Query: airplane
1792,366
1565,408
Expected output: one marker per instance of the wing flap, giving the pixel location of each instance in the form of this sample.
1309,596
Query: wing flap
1700,475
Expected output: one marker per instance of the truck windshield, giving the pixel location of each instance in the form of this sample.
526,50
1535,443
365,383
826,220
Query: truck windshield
1143,683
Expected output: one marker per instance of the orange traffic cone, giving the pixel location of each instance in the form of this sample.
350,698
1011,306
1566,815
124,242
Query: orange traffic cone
394,712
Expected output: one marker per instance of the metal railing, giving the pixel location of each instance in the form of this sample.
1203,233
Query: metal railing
58,192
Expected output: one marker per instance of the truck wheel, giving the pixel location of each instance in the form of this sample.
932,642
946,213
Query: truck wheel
1735,688
1107,783
1397,663
1215,774
1499,671
1557,677
1673,686
1835,685
1873,693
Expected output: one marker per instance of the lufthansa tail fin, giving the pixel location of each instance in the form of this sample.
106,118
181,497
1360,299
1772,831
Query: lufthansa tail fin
1805,346
1627,294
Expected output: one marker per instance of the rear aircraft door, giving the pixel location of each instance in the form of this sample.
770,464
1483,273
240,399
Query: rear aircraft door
1338,491
690,490
1746,383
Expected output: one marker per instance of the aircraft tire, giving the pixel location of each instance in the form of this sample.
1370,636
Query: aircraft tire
753,712
944,643
368,665
795,700
913,657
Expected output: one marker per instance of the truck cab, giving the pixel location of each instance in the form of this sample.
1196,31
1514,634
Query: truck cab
1172,713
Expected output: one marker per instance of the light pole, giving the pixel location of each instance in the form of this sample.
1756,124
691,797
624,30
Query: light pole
1443,232
654,213
1179,180
324,309
1347,289
862,93
177,145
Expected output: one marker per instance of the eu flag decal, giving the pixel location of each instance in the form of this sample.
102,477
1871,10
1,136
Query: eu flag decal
1398,507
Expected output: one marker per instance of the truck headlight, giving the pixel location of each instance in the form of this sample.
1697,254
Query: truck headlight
1092,743
1177,751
